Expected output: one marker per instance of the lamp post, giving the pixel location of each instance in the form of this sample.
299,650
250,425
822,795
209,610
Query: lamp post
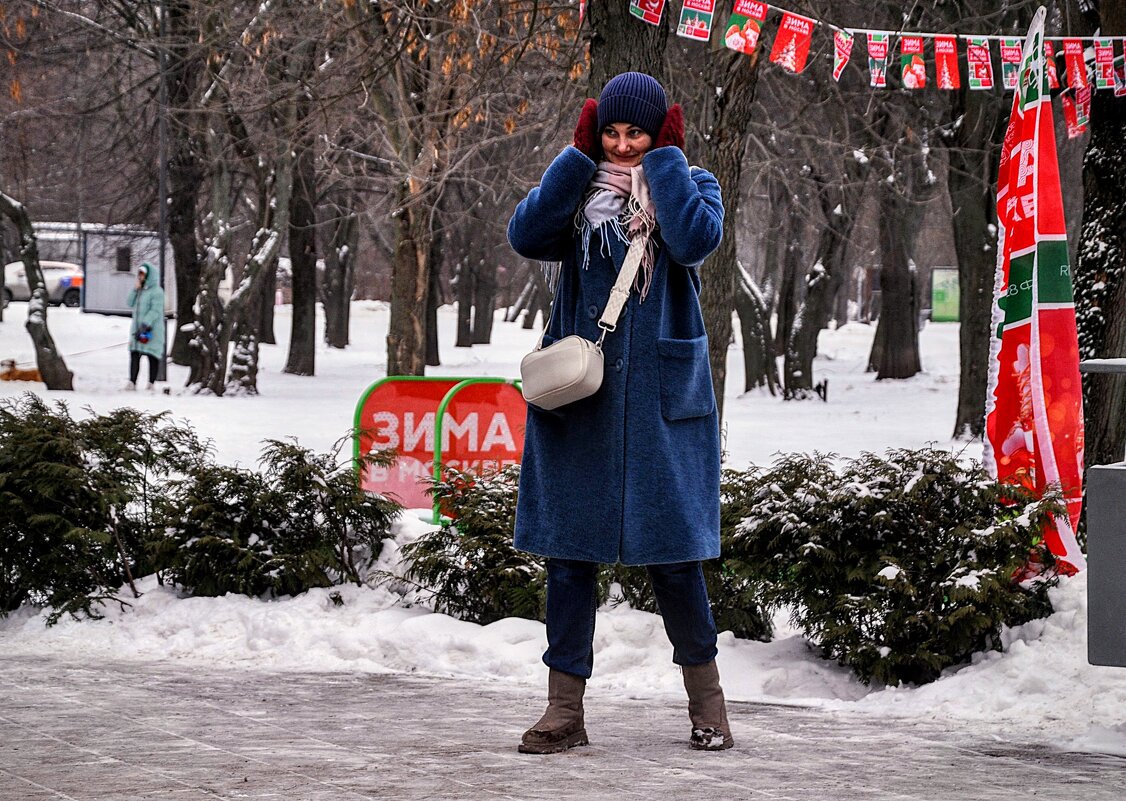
162,188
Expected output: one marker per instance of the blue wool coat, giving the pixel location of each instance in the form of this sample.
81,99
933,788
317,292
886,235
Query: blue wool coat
630,474
148,309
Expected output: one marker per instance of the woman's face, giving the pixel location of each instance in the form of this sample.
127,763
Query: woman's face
625,144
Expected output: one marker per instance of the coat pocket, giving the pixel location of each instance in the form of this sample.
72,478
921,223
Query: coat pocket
686,378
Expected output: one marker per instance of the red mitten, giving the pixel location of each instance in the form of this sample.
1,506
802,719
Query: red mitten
672,129
588,138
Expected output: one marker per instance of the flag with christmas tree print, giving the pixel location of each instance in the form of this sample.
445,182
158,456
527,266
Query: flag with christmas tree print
696,20
745,26
1050,64
1010,62
946,73
913,69
1071,117
791,45
1104,63
878,60
647,10
979,63
1034,403
842,46
1073,58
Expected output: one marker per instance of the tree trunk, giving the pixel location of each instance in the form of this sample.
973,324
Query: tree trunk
303,253
972,185
840,203
410,282
340,257
484,300
1100,282
728,84
465,288
433,300
185,175
903,198
760,368
52,367
264,316
620,43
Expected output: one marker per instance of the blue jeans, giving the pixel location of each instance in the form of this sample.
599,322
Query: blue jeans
572,598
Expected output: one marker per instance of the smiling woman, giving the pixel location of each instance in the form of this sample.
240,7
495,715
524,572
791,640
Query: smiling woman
629,474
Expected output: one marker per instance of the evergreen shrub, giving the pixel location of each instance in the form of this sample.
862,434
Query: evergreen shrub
896,566
468,566
302,521
472,571
79,498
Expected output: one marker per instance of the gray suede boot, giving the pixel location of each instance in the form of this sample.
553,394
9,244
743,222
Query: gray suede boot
706,708
561,726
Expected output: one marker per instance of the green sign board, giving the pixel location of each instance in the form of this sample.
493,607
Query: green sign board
944,295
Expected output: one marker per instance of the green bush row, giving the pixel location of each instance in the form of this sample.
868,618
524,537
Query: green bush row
88,506
897,566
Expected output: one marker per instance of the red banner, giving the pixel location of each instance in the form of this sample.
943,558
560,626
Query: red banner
842,47
946,72
1010,62
877,60
482,428
1104,63
696,20
1034,406
791,45
647,10
1073,57
979,63
745,26
913,69
1071,118
1050,65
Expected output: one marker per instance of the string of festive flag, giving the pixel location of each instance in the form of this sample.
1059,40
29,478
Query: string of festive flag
791,47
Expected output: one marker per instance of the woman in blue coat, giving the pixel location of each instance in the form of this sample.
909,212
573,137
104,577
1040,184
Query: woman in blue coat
146,332
631,473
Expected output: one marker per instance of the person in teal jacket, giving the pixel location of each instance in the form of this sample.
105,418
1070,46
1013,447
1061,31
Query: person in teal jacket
630,474
146,333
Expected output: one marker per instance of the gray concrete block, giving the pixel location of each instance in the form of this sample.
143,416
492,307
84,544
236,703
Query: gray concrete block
1106,565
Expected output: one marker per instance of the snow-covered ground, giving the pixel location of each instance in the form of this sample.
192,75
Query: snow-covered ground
1040,686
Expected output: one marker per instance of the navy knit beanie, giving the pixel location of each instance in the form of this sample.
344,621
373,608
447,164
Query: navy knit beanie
633,97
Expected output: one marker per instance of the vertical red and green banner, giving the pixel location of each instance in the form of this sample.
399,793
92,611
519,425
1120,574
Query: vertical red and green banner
1104,63
696,20
878,60
647,10
946,72
745,26
1120,79
912,67
842,52
791,45
1073,59
1034,403
979,63
1010,62
1050,65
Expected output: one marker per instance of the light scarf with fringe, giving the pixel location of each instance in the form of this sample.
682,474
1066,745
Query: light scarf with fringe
617,203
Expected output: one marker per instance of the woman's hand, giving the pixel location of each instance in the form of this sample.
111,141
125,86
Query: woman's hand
587,135
672,129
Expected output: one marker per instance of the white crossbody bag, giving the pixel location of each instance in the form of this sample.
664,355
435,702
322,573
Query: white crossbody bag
570,369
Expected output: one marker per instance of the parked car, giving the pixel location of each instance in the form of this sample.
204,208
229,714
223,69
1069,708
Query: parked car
63,279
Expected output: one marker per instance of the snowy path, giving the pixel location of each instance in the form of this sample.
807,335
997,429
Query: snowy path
125,731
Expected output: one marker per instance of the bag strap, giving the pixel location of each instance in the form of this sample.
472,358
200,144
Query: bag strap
619,293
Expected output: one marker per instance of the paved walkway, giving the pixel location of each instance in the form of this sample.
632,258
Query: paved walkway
126,731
